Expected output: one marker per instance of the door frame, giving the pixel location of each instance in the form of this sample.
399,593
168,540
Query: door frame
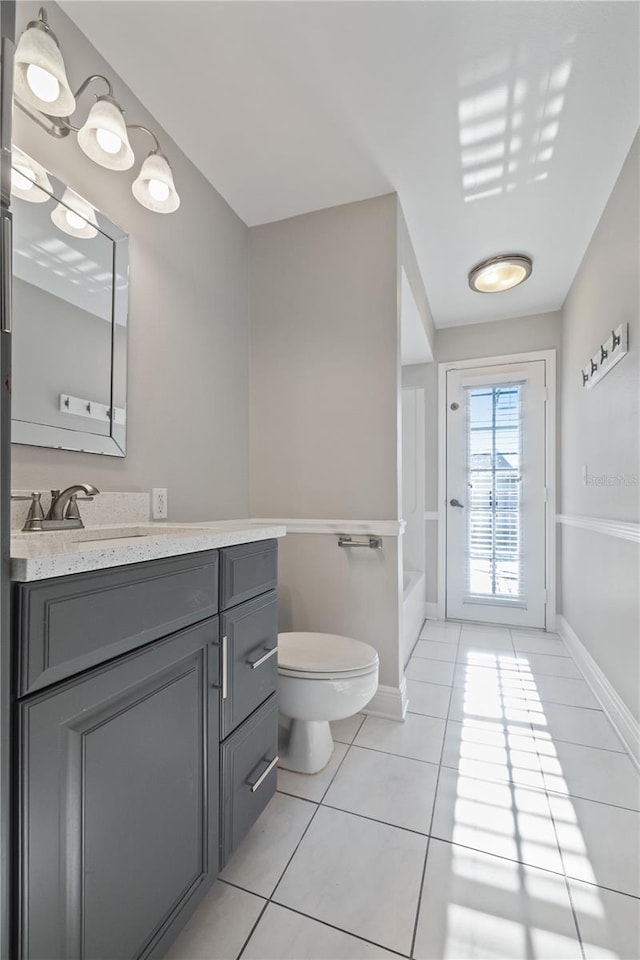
549,357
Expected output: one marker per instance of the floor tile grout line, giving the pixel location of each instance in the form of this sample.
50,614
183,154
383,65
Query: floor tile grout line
307,916
332,926
426,853
385,823
389,753
253,930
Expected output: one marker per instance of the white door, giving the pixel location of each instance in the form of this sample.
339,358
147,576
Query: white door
496,496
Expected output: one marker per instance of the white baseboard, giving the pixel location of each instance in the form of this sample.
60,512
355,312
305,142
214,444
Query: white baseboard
626,725
389,702
431,611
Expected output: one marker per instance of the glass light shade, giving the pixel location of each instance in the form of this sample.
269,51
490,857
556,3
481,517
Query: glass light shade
154,187
104,136
29,180
40,77
500,273
75,216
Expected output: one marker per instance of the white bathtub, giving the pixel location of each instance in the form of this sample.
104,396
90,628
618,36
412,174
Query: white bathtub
412,612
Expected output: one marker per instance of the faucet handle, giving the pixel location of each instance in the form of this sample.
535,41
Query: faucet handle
72,512
35,510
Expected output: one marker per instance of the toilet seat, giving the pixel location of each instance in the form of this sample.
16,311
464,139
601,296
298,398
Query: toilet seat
324,656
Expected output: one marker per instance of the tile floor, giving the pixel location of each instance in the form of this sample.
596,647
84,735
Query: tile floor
501,820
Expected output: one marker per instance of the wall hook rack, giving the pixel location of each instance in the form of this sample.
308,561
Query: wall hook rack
608,354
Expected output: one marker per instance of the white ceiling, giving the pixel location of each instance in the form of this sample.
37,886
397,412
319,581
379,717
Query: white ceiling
502,125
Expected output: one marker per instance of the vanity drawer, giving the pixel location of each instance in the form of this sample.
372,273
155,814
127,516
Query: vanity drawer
248,775
71,624
247,571
249,667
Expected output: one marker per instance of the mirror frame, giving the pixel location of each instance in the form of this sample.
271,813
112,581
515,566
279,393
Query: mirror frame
81,441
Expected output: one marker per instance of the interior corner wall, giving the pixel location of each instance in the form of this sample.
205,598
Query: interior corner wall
599,443
324,377
188,383
468,342
408,262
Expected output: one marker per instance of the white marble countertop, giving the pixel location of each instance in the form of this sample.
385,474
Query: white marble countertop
41,555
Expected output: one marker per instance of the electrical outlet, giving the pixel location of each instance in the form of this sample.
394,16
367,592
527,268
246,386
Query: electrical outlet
159,503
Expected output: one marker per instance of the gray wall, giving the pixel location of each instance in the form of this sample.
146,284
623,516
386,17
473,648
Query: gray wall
324,364
600,429
474,340
325,412
188,327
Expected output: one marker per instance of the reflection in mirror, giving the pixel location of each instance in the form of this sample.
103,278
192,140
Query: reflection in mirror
70,276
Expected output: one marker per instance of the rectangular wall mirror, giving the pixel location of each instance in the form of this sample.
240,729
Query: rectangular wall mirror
70,304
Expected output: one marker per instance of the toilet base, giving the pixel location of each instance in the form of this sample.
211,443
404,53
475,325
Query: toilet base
310,746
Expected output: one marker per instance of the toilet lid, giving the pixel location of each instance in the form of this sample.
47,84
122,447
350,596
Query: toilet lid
323,653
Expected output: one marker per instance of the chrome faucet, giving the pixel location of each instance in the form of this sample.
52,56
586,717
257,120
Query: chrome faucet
58,509
63,513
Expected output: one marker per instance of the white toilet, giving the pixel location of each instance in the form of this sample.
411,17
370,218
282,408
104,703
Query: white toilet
321,677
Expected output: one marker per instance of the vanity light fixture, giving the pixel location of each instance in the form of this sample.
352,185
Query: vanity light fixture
500,273
43,93
75,216
27,176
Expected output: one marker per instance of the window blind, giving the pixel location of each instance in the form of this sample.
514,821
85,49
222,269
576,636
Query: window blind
494,569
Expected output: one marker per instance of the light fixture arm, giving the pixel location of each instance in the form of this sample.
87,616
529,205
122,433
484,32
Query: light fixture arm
81,89
138,126
85,83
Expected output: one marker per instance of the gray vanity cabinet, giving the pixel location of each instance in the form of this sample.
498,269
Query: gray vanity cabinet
146,723
120,799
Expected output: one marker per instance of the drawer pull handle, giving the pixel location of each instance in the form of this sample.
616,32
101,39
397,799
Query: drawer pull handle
265,773
224,667
263,659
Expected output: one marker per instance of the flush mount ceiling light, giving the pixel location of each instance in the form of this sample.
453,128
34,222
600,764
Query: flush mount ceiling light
43,93
500,273
75,216
29,179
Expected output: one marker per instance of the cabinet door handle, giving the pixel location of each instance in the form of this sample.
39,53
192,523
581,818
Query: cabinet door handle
265,773
6,254
224,667
263,659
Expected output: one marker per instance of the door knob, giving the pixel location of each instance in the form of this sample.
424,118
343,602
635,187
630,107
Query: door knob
455,503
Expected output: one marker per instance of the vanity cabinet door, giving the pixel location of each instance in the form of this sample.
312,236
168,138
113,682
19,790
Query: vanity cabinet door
249,658
119,802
